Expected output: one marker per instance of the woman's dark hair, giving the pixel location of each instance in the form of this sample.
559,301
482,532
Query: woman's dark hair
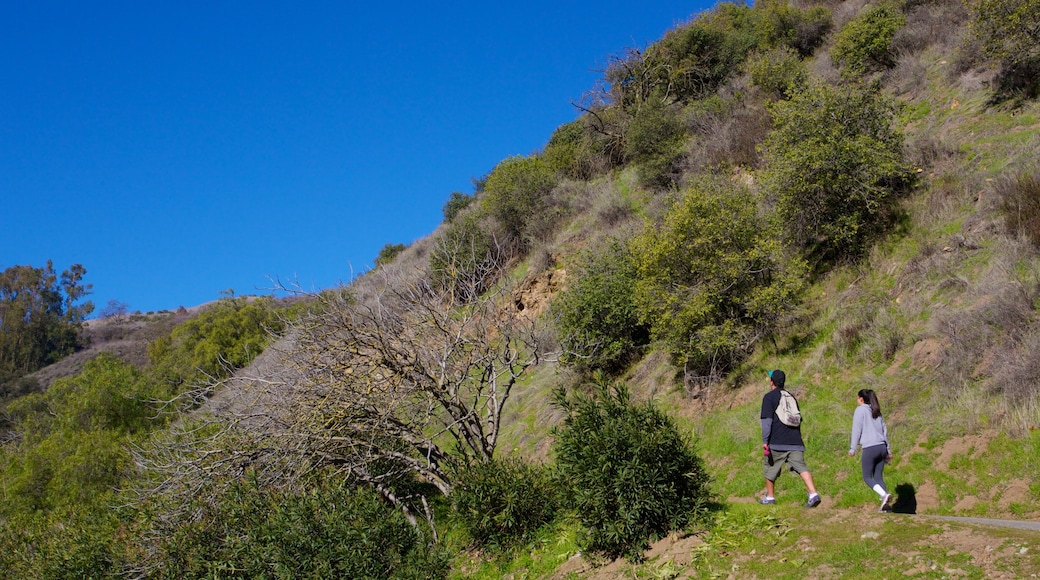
870,398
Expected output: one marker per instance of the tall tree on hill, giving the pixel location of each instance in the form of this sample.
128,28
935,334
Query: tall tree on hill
40,316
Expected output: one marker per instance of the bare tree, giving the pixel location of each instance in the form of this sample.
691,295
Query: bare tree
387,380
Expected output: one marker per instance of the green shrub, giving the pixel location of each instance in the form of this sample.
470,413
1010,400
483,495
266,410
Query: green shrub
628,473
778,72
596,316
388,253
330,532
516,193
457,202
787,26
834,165
573,152
211,344
502,503
712,278
865,43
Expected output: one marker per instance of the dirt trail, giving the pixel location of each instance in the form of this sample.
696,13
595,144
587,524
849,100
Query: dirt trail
1017,524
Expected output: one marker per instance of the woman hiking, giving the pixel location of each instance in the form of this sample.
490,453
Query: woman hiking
869,431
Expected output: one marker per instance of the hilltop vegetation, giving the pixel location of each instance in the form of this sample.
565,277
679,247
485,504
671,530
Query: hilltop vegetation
572,361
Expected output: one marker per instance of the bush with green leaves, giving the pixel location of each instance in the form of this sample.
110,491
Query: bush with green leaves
865,43
779,72
785,25
834,164
516,194
333,531
223,337
1009,31
388,252
457,202
713,277
596,316
503,502
572,151
628,473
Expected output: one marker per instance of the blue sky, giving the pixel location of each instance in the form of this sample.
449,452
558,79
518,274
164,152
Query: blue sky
179,151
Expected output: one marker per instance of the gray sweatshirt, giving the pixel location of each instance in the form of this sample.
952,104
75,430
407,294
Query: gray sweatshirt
866,430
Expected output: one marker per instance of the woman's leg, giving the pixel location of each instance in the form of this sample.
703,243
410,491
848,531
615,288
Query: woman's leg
873,463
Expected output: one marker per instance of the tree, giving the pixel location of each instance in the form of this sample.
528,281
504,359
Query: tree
1010,32
383,382
41,316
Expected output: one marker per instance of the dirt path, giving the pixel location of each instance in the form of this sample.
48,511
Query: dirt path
1017,524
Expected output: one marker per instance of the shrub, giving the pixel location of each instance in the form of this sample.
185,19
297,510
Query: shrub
464,258
628,473
778,72
221,338
457,202
597,319
330,532
516,193
573,152
712,277
1020,204
503,502
1009,31
388,253
834,164
865,43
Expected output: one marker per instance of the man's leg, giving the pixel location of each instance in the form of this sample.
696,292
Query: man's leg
770,485
807,478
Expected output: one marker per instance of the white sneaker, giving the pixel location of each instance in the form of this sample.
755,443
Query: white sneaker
884,502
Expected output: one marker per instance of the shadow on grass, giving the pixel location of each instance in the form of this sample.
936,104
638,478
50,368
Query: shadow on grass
906,499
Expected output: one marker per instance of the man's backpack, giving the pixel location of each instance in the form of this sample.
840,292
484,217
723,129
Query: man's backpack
787,410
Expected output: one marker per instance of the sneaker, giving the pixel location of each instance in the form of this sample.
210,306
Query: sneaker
814,500
767,501
884,502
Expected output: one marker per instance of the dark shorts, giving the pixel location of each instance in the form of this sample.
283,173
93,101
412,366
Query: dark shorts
795,461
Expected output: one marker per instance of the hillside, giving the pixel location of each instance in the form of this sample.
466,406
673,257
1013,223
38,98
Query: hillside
846,191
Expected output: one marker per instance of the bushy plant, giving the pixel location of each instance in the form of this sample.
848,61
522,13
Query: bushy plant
785,25
388,252
596,316
464,258
628,473
330,532
516,193
779,72
865,43
503,502
834,165
712,277
1020,204
573,152
221,338
457,202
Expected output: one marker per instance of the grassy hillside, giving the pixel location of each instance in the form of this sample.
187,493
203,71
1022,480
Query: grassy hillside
843,190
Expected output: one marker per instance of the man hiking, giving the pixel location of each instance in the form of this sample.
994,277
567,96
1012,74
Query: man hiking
782,439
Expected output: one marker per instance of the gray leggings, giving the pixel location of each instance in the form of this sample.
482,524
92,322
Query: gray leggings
874,465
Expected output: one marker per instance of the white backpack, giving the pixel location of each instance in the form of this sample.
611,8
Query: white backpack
787,410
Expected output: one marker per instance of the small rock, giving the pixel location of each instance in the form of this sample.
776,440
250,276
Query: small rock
870,536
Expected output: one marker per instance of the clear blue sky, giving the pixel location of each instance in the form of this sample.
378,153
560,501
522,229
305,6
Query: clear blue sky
183,150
